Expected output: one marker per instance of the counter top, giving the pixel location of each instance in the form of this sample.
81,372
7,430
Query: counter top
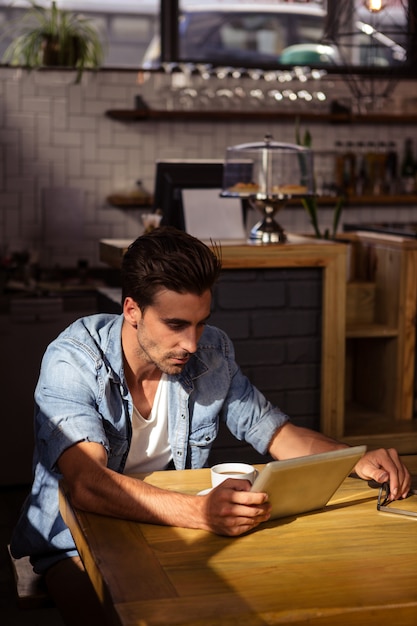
298,251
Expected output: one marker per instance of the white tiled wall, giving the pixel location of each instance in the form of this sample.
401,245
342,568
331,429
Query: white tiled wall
55,135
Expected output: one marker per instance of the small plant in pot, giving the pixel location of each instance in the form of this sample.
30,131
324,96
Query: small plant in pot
53,37
310,202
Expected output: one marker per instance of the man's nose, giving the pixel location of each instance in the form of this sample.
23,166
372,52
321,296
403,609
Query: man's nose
189,340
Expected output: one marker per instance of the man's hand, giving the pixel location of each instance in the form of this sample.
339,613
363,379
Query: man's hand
385,466
232,509
380,465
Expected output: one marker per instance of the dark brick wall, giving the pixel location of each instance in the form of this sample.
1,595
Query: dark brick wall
274,318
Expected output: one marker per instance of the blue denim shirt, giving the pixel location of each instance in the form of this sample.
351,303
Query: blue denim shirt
82,395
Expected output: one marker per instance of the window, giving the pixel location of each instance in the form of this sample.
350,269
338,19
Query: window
126,27
252,34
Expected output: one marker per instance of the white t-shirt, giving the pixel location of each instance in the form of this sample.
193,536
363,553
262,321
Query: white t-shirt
150,449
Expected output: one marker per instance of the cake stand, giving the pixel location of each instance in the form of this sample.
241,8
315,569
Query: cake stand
266,175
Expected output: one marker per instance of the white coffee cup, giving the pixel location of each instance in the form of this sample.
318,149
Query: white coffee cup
223,471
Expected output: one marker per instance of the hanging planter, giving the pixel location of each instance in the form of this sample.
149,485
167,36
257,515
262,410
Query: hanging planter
53,37
54,54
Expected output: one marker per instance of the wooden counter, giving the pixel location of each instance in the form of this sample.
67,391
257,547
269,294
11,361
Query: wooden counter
298,252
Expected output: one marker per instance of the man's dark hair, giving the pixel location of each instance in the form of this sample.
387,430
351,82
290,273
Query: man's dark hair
171,259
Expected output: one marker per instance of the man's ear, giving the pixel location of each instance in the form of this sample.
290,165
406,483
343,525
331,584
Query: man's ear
131,311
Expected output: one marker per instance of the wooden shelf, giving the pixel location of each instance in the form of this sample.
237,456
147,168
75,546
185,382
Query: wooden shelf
381,200
374,429
126,202
371,331
326,202
144,115
358,201
131,204
380,357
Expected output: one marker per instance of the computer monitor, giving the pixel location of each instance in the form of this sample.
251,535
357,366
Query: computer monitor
174,175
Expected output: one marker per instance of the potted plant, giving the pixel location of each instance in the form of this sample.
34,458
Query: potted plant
53,37
310,202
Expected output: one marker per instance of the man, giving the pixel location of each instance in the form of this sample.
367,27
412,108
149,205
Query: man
144,391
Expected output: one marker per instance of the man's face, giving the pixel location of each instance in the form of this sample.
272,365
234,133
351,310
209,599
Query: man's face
169,330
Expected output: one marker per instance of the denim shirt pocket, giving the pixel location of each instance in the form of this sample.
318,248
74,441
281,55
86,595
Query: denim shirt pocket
118,448
200,441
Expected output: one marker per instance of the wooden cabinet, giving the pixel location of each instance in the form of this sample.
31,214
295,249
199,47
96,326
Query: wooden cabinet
380,389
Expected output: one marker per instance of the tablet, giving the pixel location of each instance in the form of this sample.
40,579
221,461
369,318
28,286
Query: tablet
307,483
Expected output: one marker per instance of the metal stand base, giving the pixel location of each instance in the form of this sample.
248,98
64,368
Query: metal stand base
267,231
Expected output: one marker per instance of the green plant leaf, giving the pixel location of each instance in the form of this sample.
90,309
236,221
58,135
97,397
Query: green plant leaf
307,141
310,205
337,213
72,38
310,202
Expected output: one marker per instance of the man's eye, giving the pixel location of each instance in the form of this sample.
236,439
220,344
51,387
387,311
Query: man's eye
176,325
181,325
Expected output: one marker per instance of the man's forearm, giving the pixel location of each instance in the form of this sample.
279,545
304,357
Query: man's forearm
293,441
95,488
117,495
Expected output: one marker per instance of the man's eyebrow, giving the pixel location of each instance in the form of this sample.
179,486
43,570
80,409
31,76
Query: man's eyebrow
179,320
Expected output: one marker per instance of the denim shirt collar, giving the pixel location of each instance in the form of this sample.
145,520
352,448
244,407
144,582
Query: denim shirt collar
112,351
195,368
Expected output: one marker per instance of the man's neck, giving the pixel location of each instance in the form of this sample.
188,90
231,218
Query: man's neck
138,371
142,383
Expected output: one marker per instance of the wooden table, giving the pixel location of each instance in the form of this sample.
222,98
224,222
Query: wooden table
347,565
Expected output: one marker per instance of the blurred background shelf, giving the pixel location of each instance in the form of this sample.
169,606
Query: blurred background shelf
143,115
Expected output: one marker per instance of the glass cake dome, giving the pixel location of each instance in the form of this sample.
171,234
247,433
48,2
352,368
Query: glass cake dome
268,174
